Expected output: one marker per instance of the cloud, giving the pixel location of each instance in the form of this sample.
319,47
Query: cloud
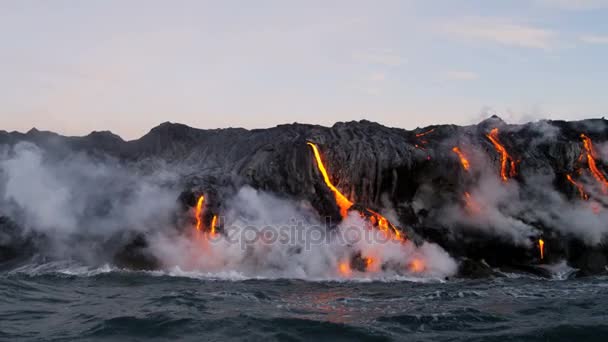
594,39
459,75
504,33
385,57
574,5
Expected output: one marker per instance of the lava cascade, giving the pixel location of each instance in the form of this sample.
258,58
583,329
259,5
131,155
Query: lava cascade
591,155
198,214
463,159
579,187
213,225
507,163
345,204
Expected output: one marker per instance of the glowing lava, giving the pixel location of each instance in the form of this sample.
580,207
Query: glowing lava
343,203
590,153
417,265
579,187
213,225
541,248
425,133
463,159
384,224
199,212
344,269
505,158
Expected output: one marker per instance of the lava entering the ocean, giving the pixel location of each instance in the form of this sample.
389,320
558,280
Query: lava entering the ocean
541,248
343,203
344,269
463,159
506,161
590,153
417,265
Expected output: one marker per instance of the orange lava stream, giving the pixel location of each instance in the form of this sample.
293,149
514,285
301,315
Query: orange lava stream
463,159
541,248
343,203
213,225
425,133
505,158
590,152
385,225
199,212
579,187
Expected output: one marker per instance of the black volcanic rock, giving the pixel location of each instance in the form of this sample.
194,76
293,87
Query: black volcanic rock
14,242
414,173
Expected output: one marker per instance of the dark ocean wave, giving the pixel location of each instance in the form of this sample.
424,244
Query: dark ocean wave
106,304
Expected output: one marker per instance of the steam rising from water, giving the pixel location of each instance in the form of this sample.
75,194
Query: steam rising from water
88,203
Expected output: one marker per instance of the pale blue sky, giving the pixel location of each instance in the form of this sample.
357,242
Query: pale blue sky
127,65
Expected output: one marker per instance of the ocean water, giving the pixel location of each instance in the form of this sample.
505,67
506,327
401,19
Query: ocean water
67,302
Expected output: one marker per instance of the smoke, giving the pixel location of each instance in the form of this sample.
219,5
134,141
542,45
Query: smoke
85,205
81,198
267,236
523,208
492,207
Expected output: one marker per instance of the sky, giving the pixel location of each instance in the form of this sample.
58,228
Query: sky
128,65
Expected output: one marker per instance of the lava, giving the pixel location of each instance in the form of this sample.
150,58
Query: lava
343,203
425,133
579,187
463,159
213,225
344,269
590,153
417,265
384,224
506,161
541,248
199,212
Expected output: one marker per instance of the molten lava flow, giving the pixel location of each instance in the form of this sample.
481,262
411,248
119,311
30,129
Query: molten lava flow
344,269
213,225
417,265
199,212
425,133
579,187
590,152
505,158
541,248
463,159
384,224
343,203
